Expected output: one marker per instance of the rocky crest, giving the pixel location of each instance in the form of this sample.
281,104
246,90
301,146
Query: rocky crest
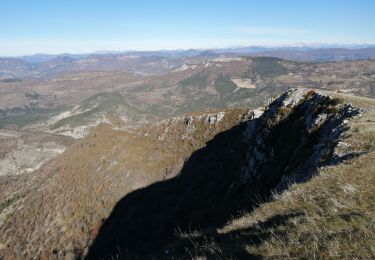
196,173
295,135
298,133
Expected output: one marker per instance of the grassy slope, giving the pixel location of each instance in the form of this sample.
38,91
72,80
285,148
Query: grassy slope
79,188
331,216
99,103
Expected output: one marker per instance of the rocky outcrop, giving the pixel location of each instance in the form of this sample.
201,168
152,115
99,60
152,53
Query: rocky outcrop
130,193
297,134
198,127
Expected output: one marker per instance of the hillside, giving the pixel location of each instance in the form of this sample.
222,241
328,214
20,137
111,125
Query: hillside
71,105
57,105
193,129
23,152
330,216
213,184
65,203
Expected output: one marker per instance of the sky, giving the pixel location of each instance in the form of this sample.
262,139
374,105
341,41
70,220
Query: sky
82,26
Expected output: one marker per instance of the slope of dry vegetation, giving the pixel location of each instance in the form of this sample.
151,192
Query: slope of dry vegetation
331,216
56,211
206,84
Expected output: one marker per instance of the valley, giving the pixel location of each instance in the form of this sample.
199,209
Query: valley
155,151
187,130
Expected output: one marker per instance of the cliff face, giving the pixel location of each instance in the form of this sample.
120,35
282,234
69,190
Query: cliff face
295,135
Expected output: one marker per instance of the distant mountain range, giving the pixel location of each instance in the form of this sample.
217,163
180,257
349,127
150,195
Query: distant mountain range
40,57
321,54
164,61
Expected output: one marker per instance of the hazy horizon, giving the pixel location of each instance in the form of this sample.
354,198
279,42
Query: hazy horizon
90,26
296,46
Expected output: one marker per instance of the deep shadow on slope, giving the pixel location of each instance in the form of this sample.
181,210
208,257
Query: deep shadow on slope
208,192
145,221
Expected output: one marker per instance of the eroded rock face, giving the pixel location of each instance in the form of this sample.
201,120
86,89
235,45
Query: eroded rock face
295,135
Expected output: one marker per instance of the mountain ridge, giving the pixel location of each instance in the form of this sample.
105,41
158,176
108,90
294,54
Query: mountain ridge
161,62
112,155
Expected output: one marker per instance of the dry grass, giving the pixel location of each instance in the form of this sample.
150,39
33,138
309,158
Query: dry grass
64,202
333,215
59,209
330,216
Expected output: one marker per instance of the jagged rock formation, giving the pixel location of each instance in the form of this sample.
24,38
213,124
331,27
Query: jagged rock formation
296,135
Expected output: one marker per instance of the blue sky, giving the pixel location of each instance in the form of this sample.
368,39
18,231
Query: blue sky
36,26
